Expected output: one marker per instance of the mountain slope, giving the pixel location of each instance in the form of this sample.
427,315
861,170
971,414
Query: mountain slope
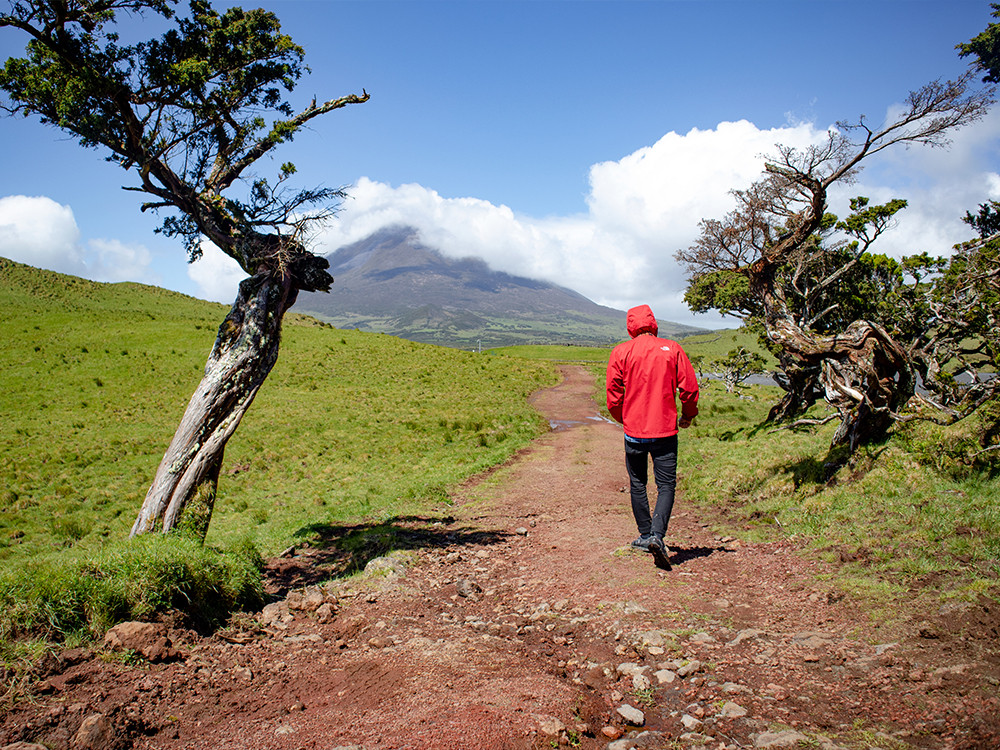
392,283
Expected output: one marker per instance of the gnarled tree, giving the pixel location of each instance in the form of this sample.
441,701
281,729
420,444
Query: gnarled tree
811,282
186,114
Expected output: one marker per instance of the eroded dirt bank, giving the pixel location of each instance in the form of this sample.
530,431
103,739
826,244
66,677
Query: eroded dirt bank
522,620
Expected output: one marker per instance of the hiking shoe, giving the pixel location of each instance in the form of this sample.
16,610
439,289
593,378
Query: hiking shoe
643,542
660,553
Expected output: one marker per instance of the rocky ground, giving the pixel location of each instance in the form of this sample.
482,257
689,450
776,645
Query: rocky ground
523,620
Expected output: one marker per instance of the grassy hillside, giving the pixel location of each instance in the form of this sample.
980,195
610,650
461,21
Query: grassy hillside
708,347
704,346
555,353
94,379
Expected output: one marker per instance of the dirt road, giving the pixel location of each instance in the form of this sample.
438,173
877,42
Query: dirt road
523,620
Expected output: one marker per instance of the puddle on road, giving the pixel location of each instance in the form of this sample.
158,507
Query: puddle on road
565,424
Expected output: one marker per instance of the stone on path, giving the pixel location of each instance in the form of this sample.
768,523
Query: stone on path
467,588
732,710
690,722
632,715
146,638
788,738
550,725
665,676
95,733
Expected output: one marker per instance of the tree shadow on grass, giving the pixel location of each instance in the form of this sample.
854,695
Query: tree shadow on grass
328,551
746,432
824,471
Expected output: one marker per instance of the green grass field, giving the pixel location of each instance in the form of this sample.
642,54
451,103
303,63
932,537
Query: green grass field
581,354
349,427
706,346
897,515
709,347
363,428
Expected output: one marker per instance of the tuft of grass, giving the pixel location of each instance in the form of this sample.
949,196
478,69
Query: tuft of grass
82,596
645,697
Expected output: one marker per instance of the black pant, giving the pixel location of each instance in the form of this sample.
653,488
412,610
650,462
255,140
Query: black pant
664,454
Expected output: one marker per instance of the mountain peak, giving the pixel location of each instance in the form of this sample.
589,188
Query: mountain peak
391,282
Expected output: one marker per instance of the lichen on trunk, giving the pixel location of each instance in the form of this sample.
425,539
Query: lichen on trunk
184,489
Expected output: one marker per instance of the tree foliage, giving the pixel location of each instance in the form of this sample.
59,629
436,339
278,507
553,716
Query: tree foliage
185,113
986,49
190,114
848,325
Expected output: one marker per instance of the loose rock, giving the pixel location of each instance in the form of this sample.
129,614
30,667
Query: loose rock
146,638
640,681
690,722
467,587
788,738
385,566
746,635
689,668
732,710
275,614
550,725
631,714
665,676
95,733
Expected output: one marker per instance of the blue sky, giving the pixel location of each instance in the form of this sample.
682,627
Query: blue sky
578,142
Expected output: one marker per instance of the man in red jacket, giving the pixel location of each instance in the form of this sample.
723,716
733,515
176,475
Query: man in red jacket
643,376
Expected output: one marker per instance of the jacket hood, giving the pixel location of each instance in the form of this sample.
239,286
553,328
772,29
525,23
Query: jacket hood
641,320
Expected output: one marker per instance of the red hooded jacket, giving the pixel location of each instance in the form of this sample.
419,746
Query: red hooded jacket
643,376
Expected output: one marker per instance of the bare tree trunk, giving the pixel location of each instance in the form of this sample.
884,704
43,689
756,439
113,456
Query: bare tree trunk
801,386
183,491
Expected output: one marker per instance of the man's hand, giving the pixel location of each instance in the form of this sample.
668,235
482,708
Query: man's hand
684,423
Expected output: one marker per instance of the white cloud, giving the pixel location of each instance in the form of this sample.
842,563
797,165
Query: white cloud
939,185
40,232
217,275
641,210
112,260
645,207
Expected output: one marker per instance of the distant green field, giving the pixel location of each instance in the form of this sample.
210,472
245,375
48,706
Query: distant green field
717,344
555,353
707,346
